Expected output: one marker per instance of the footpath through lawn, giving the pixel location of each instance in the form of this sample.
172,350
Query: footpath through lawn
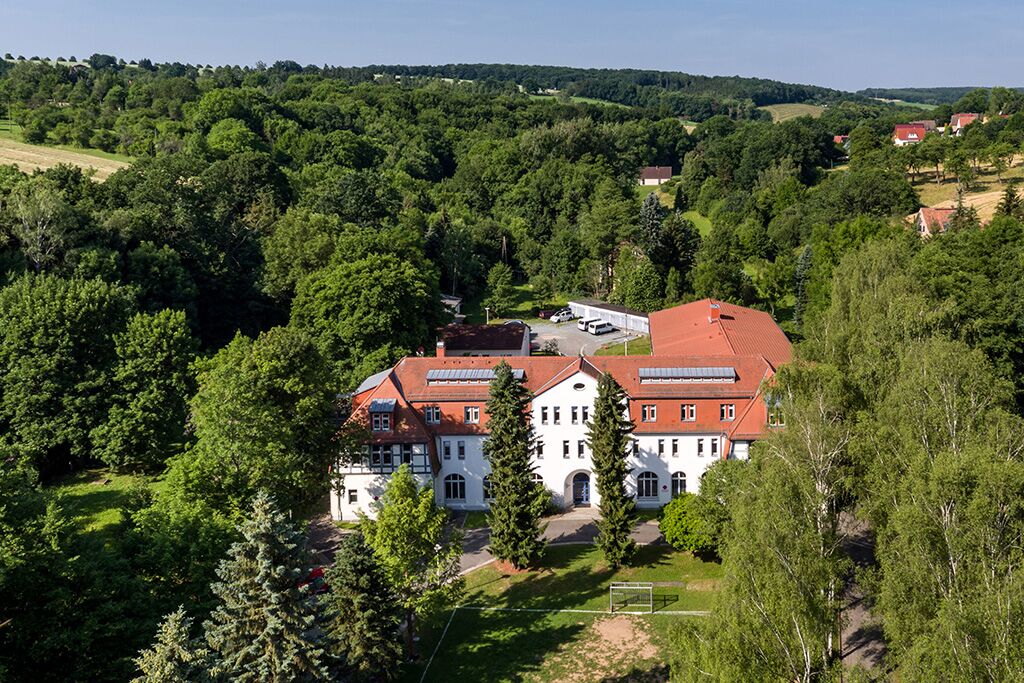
487,641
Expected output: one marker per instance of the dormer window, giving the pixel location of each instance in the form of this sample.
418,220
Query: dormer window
381,410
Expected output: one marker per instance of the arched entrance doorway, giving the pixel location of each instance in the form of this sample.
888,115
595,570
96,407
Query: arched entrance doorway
581,490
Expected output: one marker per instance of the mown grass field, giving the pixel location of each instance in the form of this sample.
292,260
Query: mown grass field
984,195
581,100
783,112
483,645
29,157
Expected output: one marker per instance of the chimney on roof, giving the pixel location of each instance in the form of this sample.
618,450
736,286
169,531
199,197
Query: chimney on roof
440,349
715,313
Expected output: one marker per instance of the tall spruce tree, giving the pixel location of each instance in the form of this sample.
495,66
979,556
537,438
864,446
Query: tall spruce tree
801,278
260,630
1011,204
175,656
514,517
609,445
652,213
362,614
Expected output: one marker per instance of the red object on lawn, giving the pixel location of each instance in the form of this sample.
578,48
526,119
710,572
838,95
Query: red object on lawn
545,314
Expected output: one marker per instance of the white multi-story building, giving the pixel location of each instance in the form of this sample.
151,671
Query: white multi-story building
688,410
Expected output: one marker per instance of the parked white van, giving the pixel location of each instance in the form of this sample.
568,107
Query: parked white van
599,327
585,324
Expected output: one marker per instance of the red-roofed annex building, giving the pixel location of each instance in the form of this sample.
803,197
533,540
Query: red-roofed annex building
698,398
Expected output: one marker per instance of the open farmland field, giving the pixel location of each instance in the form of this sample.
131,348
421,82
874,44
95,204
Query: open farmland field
984,195
30,157
783,112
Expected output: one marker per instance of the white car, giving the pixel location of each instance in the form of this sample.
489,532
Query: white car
600,327
561,316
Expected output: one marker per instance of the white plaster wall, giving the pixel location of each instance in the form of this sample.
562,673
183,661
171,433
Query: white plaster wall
686,461
368,487
473,468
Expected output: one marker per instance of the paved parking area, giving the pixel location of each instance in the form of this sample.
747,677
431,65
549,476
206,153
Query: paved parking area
571,340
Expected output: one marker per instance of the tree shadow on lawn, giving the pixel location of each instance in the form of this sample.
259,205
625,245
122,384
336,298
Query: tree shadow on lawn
657,673
488,646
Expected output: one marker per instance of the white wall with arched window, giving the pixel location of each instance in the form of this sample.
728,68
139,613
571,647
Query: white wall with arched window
455,487
678,483
647,486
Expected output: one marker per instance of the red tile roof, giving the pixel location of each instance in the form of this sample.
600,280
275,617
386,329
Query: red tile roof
909,132
688,329
747,341
934,219
963,119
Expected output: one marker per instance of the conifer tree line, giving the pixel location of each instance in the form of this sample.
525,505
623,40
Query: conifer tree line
273,622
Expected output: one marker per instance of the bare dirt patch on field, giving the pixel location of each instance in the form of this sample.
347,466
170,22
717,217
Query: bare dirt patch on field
30,157
610,648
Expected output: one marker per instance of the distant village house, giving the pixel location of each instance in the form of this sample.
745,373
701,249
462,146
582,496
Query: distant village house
655,175
932,221
960,121
908,134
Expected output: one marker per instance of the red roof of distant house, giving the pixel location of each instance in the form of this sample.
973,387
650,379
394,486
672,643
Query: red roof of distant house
690,329
840,139
909,132
467,337
656,173
928,124
961,120
935,219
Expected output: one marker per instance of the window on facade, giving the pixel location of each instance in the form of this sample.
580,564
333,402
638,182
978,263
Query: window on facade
540,450
488,489
446,446
455,487
647,485
556,415
565,449
714,446
648,413
432,415
536,479
544,415
377,454
462,450
472,414
407,453
380,422
675,448
580,446
700,448
728,411
636,447
575,415
353,496
775,418
586,413
688,412
661,446
678,483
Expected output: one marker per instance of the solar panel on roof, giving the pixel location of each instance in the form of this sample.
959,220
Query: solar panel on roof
383,405
467,374
722,373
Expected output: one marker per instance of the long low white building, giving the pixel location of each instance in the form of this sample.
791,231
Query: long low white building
625,319
688,411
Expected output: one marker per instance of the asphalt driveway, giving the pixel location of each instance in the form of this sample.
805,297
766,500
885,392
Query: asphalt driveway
573,341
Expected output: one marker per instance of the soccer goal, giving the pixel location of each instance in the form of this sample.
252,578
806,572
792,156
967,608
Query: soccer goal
623,595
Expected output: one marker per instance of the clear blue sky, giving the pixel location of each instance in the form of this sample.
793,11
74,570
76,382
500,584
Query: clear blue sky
850,45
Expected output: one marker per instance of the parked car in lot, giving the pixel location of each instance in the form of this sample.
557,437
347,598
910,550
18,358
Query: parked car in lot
600,327
584,323
562,316
515,322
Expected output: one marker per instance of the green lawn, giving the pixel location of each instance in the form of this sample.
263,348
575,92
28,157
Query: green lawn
702,223
93,498
548,646
641,346
12,131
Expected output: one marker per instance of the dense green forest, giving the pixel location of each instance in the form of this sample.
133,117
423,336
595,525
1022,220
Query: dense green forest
285,231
